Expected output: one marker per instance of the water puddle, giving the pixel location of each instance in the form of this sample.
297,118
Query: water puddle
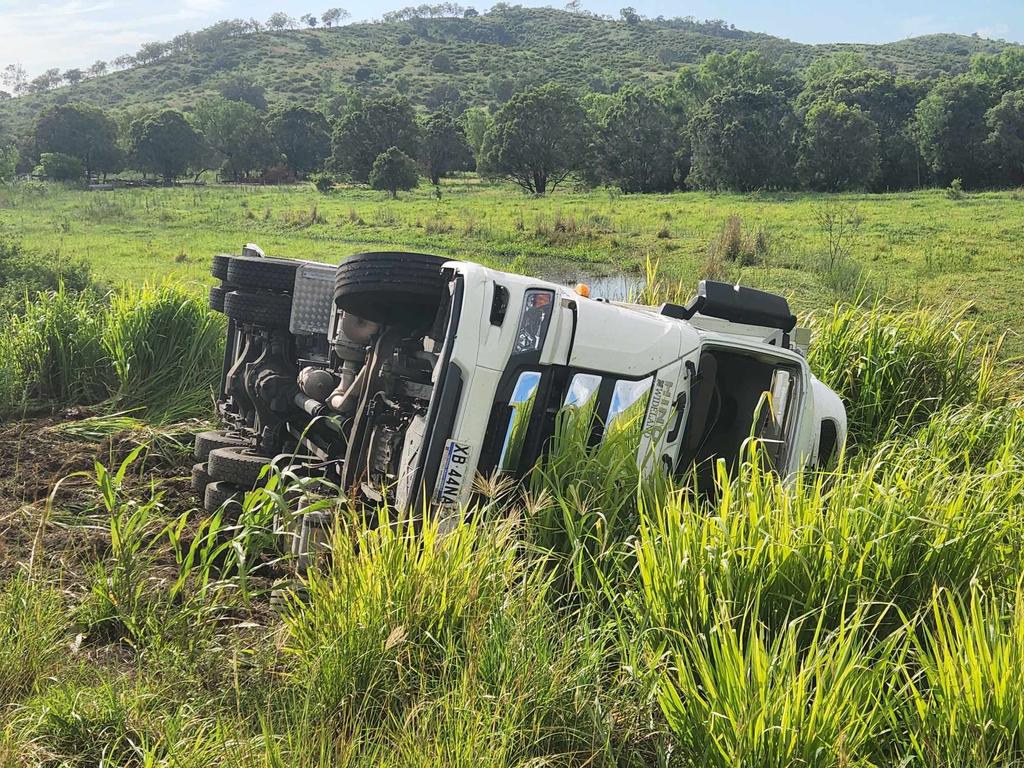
614,286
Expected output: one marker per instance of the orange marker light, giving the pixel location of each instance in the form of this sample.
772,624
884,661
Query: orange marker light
582,289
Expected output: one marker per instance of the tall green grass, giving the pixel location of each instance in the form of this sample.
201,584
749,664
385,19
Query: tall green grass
34,629
871,615
156,349
894,369
966,703
165,349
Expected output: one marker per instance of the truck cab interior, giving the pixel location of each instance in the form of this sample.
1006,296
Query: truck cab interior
734,397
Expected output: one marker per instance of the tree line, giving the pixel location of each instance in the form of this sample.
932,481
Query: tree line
734,122
15,79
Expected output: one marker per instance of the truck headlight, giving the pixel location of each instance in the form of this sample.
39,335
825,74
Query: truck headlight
534,321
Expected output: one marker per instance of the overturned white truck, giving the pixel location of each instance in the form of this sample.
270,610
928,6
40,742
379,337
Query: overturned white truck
402,376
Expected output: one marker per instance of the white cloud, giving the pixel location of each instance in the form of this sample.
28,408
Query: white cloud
77,32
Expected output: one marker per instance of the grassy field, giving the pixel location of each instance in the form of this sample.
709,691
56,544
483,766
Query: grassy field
869,615
900,247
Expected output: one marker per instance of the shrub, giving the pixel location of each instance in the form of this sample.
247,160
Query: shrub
23,273
323,181
393,170
733,247
60,167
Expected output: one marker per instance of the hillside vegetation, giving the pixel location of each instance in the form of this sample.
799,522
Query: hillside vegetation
483,58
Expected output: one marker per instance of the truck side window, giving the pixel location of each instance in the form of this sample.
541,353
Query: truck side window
629,402
582,389
521,403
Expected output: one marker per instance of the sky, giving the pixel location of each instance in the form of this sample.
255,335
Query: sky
75,33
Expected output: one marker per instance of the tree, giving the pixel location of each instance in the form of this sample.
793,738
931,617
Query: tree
165,143
445,148
630,16
638,142
49,79
475,122
238,135
73,76
951,131
8,159
1002,72
742,140
280,20
60,167
98,68
303,137
1005,122
309,20
14,78
695,84
124,61
333,16
81,131
150,52
839,150
537,138
887,100
369,129
394,170
239,87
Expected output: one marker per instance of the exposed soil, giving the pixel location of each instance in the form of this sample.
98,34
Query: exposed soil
38,481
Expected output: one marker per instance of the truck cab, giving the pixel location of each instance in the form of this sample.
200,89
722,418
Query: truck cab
701,384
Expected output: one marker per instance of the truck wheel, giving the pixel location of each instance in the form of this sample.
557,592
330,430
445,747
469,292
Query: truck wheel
200,478
391,288
271,310
219,266
217,294
241,466
219,494
261,274
208,441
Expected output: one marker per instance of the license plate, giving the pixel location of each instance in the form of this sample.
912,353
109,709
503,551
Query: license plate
453,475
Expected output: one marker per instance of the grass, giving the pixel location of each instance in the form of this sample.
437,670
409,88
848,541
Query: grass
869,615
905,248
153,351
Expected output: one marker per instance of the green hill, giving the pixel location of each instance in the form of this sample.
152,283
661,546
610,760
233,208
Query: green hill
474,60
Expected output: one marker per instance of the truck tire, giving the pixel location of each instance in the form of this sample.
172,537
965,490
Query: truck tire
260,274
200,478
217,294
218,494
240,466
208,441
391,288
219,266
270,310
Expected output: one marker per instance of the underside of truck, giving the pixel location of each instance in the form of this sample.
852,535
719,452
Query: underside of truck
331,370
